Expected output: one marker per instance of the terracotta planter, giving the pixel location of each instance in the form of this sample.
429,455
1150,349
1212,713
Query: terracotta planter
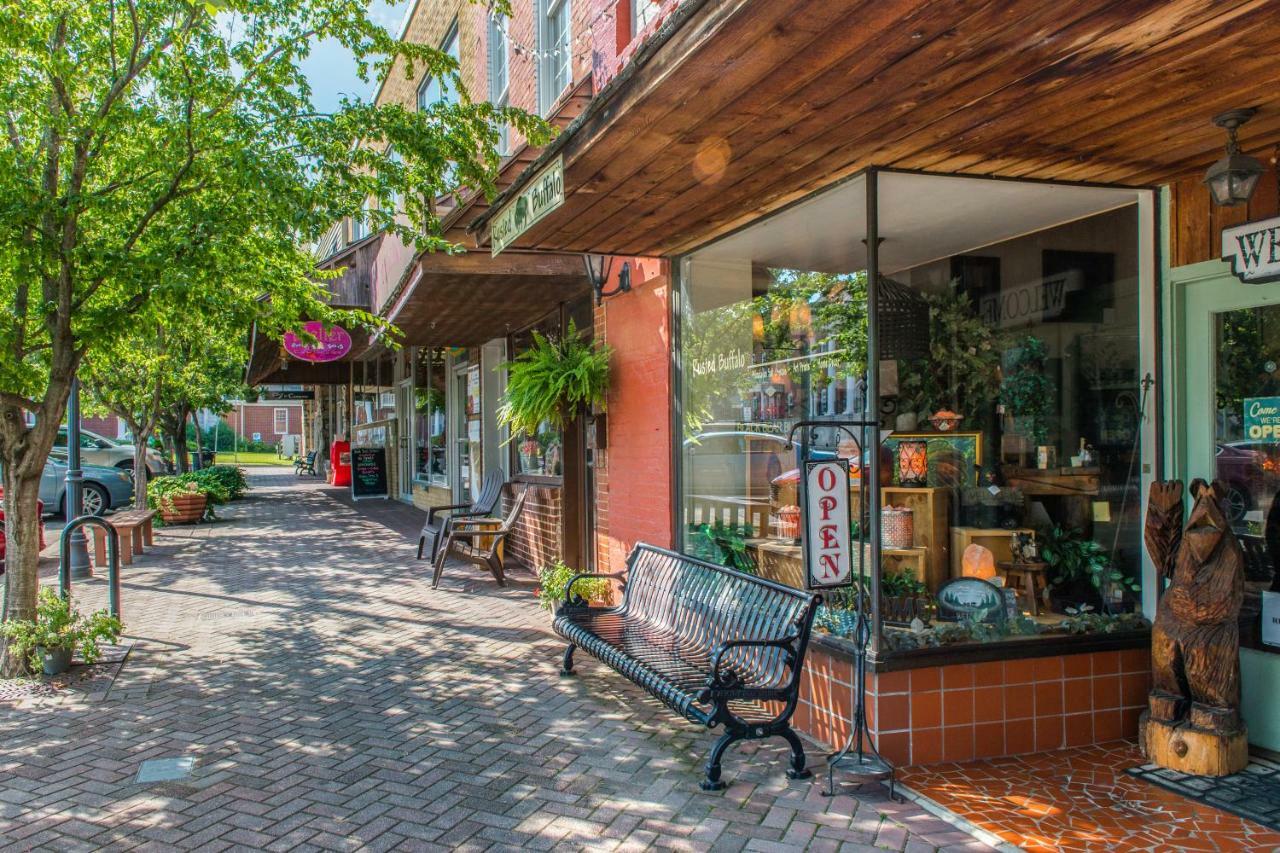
183,509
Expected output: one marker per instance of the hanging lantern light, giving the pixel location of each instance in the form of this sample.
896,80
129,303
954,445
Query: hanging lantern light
1232,179
913,464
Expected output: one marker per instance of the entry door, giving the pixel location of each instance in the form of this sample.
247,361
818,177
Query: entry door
404,453
1226,358
467,432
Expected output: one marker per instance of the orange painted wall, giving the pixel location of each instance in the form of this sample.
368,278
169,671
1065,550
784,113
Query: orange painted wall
633,475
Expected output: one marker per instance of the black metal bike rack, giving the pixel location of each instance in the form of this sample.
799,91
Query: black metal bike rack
113,560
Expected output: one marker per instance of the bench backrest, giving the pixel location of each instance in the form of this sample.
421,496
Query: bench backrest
704,604
490,493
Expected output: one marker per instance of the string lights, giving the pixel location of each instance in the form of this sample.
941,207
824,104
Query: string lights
519,49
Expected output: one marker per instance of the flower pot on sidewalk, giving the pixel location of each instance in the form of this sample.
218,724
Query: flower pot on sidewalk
55,661
183,509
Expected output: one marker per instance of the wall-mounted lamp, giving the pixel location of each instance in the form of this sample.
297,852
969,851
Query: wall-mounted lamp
1232,179
598,269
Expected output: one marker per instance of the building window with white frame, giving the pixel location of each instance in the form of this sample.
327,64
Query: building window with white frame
280,421
499,79
433,89
555,60
642,13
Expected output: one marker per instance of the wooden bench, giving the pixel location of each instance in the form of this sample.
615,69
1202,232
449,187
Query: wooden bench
712,644
134,529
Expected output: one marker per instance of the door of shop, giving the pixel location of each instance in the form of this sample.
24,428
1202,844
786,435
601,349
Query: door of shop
467,431
1225,355
405,413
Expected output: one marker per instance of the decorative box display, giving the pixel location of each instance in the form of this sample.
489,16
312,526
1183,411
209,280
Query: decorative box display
945,420
789,522
897,527
913,464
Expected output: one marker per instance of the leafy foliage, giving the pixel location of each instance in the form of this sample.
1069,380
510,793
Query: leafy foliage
554,578
554,379
1074,558
1026,392
219,484
57,626
962,372
725,544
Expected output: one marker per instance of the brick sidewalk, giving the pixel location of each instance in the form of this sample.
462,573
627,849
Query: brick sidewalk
331,700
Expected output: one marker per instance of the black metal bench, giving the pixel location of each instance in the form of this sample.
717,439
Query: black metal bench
305,464
711,643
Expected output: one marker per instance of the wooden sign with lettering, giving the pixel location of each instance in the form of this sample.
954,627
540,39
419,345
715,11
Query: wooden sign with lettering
828,549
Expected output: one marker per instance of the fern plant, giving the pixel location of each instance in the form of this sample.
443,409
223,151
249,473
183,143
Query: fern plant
552,381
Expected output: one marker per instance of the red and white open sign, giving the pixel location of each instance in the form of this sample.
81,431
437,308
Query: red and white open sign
827,547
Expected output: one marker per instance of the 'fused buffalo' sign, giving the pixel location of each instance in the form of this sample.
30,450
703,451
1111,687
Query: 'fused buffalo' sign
1253,250
330,344
827,547
538,198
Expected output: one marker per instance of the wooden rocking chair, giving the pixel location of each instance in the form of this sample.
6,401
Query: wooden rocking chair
439,517
477,541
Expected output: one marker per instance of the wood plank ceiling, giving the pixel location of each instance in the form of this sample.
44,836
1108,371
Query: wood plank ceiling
751,104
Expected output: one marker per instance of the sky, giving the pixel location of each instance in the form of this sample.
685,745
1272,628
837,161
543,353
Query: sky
332,70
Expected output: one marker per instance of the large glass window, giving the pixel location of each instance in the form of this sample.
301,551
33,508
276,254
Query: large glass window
499,89
431,382
555,67
539,454
1010,398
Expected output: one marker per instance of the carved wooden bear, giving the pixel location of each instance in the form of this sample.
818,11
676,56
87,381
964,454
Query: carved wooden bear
1195,639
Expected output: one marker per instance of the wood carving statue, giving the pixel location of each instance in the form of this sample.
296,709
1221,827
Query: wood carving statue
1193,720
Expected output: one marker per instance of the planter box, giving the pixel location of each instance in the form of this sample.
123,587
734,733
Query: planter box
184,509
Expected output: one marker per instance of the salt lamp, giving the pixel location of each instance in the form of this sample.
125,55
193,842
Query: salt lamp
978,562
913,463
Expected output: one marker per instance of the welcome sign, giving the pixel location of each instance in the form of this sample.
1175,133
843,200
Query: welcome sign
541,196
1253,250
1262,418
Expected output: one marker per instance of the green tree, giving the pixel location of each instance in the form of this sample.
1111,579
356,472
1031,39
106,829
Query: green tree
142,138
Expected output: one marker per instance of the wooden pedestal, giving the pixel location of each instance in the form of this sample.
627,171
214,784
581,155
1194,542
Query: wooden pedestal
1181,747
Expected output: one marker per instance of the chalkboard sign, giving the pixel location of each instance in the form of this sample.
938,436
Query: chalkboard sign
369,473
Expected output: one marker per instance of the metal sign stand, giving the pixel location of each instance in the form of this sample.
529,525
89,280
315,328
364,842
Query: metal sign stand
858,758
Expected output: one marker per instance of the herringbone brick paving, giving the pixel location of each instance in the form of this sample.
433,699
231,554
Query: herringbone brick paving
333,701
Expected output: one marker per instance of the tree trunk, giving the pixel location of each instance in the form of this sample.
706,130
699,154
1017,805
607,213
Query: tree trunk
22,552
140,473
197,462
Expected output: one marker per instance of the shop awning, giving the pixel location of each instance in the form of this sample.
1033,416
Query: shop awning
736,108
469,298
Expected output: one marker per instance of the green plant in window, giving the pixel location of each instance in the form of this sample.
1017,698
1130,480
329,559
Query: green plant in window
1026,392
552,381
962,372
1073,559
724,544
902,585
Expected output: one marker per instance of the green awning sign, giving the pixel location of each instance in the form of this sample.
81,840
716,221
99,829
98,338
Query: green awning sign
539,197
1262,418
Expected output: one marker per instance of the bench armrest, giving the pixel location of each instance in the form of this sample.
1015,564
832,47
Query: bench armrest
715,681
570,601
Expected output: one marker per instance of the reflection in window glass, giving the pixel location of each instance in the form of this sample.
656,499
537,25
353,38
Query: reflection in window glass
430,383
540,454
1247,430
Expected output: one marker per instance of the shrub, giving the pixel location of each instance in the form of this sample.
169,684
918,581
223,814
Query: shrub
553,579
58,626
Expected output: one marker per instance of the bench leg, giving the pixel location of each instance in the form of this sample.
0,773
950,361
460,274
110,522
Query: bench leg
148,534
797,769
495,568
442,554
566,669
712,782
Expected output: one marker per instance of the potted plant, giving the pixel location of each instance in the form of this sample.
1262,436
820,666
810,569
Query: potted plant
553,382
179,500
48,642
1026,392
553,578
1080,572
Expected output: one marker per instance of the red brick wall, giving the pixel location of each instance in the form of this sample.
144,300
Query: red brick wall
633,475
961,712
108,426
261,418
536,539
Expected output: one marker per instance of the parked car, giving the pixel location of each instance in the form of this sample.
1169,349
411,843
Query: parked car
100,450
104,488
1248,470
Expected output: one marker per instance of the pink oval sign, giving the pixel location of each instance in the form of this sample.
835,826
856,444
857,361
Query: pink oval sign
331,344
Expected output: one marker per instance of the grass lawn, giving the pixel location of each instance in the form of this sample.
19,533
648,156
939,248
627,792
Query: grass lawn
246,458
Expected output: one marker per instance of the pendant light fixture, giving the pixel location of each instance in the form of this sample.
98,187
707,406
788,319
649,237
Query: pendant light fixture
1232,179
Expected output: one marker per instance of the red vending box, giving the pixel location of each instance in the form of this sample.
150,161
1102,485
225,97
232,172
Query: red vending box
340,463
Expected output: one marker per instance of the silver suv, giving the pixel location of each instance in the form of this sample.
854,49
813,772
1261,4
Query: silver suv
98,450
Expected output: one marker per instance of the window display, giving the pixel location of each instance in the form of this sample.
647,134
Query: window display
539,454
430,418
1010,399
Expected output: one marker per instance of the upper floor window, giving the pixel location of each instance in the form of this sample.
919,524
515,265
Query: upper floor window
394,156
499,85
642,12
555,64
359,226
433,89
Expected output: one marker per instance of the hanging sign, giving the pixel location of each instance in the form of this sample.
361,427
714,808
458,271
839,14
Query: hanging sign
330,345
1262,419
302,394
828,550
538,198
369,473
1253,250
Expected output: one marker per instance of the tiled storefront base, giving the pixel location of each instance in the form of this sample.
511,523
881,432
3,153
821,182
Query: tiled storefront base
964,711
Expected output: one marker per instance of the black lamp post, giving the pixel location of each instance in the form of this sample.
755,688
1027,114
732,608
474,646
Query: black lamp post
77,545
1232,179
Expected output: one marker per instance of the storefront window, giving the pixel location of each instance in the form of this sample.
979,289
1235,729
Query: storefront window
539,454
1010,402
430,419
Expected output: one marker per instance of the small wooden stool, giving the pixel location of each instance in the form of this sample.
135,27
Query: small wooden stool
1030,576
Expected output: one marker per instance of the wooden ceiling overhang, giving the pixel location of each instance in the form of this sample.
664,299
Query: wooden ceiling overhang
739,107
270,364
469,298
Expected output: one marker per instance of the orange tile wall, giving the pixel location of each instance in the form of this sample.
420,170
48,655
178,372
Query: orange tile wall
961,712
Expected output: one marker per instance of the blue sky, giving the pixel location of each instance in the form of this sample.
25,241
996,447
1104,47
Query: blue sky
332,70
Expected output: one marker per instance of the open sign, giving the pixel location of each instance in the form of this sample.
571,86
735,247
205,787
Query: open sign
828,550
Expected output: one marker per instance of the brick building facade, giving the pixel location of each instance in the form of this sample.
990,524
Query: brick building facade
267,421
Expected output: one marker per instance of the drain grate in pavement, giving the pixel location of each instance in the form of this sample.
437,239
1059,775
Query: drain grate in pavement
165,769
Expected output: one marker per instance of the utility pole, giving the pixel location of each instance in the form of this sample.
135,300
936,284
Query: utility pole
77,545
